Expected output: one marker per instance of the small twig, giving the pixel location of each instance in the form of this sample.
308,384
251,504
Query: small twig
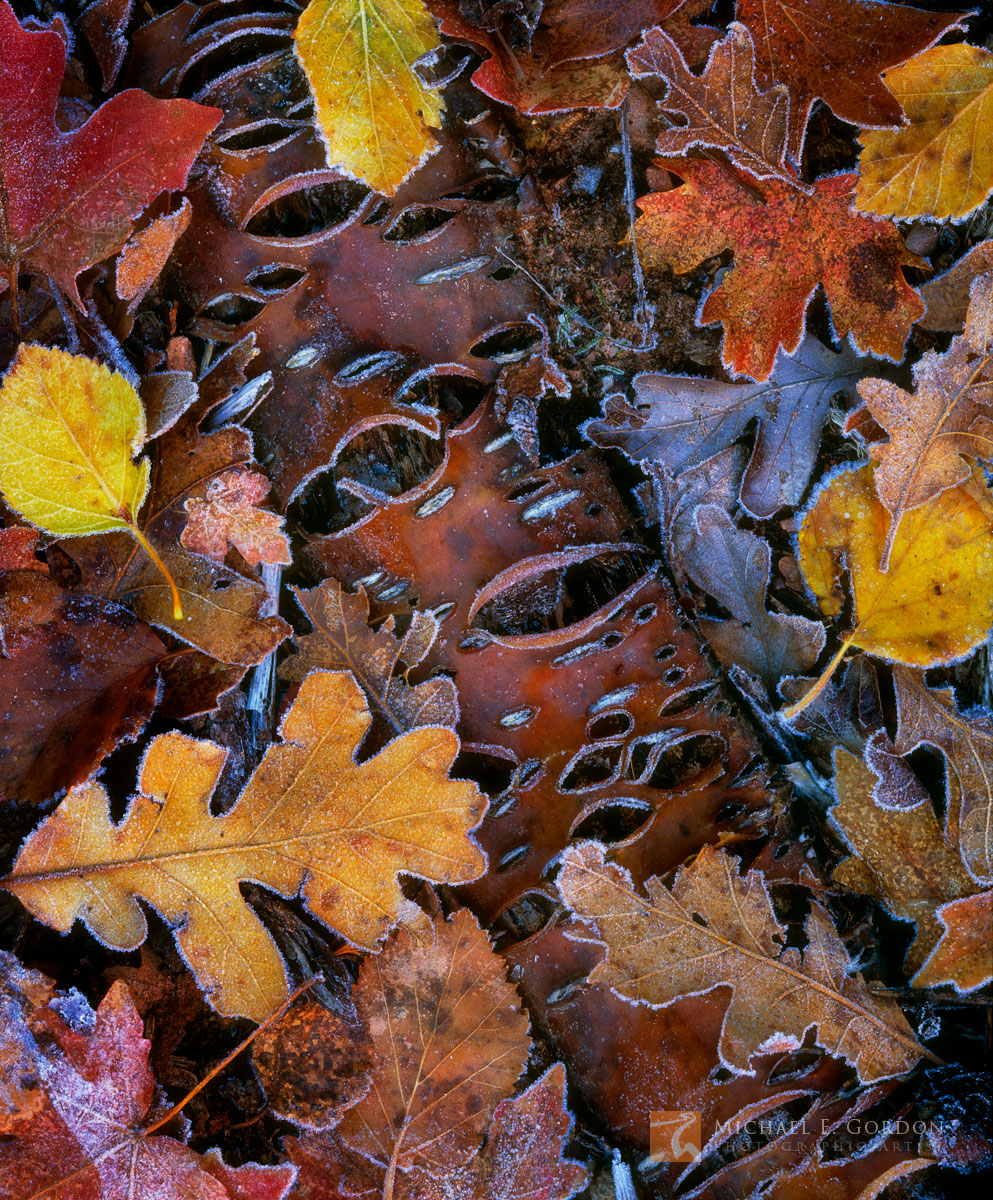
15,315
644,313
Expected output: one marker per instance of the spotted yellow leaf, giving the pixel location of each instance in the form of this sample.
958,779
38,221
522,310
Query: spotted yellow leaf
69,432
372,108
940,164
934,601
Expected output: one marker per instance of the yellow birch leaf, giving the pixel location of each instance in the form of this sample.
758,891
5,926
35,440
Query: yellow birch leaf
372,108
69,431
933,604
940,164
311,821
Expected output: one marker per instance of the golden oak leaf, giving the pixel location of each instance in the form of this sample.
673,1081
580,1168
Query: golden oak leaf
933,603
372,108
964,956
786,244
940,164
947,419
657,951
900,855
448,1040
311,821
343,641
931,717
228,514
69,431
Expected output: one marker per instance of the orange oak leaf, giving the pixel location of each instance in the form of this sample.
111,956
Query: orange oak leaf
311,821
934,601
68,199
77,676
94,1136
964,955
228,514
722,108
945,421
930,716
141,261
657,951
837,50
899,853
343,641
785,245
448,1040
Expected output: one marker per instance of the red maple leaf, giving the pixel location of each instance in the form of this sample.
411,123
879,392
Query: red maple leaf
786,243
67,200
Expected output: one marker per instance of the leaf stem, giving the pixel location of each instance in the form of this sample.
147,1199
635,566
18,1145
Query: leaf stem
270,1020
146,545
797,707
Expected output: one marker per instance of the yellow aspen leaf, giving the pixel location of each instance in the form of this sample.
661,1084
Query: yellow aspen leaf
933,603
372,108
69,431
311,821
964,956
940,164
657,951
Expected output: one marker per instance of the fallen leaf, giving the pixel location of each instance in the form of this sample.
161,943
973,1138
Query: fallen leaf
144,255
722,109
93,1136
680,422
352,828
935,601
228,514
946,299
522,1158
312,1064
939,165
930,716
945,421
105,24
899,853
837,51
964,955
77,676
69,429
448,1040
372,107
222,608
22,994
591,29
785,245
530,82
69,198
657,952
343,641
18,544
732,565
